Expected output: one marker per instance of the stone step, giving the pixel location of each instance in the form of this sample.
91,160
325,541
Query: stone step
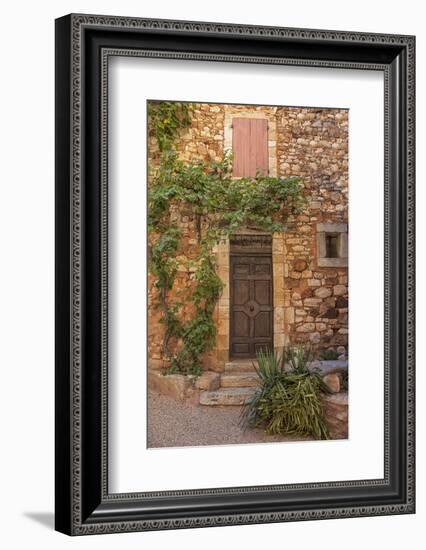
239,380
226,396
239,366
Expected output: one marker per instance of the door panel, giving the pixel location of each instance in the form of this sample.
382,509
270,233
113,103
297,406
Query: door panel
241,291
251,305
262,292
242,269
241,324
262,268
262,326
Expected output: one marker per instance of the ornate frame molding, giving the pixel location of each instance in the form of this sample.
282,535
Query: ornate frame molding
84,505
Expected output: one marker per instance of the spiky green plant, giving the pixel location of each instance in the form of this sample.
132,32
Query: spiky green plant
270,366
287,401
298,358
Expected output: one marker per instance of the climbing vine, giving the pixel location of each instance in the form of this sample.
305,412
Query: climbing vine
219,205
166,119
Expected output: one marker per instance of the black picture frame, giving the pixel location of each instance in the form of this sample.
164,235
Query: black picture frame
83,46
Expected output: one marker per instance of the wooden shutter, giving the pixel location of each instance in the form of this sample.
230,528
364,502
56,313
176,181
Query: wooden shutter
249,146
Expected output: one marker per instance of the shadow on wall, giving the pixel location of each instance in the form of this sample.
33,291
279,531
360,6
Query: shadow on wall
47,519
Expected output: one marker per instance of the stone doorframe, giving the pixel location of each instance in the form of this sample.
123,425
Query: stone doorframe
222,313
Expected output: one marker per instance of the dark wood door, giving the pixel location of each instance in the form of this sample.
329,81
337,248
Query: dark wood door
251,305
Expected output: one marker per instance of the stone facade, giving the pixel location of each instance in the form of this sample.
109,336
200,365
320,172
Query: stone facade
310,290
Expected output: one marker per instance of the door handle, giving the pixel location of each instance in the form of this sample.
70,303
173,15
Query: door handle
251,308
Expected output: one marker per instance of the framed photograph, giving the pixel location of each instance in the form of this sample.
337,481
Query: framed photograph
234,274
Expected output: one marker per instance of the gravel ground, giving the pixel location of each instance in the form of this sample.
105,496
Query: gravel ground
173,423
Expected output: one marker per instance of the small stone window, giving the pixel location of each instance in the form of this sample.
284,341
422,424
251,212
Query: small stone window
332,244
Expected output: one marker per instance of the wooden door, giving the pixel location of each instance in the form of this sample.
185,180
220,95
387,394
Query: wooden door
251,305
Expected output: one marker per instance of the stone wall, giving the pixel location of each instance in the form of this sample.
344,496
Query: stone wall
310,301
313,144
203,140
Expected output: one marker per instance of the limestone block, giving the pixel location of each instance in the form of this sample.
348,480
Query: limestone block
173,385
306,327
222,326
341,302
300,265
279,339
277,246
278,270
222,341
155,364
315,338
323,292
336,414
208,381
339,290
332,381
312,302
239,380
289,314
226,396
279,313
278,292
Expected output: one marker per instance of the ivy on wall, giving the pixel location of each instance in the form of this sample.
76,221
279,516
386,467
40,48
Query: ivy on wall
220,205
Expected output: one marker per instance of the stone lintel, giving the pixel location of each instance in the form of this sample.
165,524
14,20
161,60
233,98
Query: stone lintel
330,227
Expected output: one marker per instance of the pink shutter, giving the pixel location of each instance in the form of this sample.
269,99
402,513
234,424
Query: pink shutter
249,146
